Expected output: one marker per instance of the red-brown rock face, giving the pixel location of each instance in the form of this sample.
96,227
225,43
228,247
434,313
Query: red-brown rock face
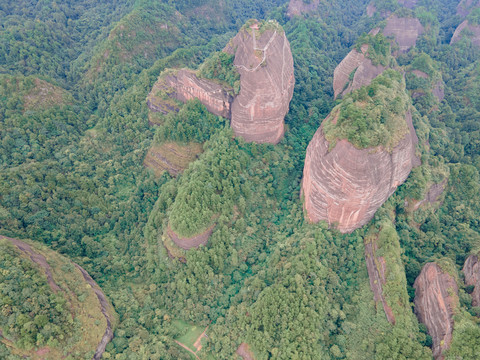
472,30
435,305
365,72
265,65
298,7
184,85
471,269
346,185
376,268
404,30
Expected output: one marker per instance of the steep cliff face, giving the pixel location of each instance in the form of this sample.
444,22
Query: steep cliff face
299,7
435,304
351,171
264,61
405,31
184,85
471,269
466,29
360,66
346,185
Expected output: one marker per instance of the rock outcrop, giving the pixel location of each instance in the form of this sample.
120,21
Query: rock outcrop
410,4
362,68
299,7
346,185
466,6
467,29
376,267
404,30
191,242
171,157
471,269
265,63
435,303
184,85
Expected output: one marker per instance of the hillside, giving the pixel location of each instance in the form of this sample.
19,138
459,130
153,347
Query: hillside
271,179
46,302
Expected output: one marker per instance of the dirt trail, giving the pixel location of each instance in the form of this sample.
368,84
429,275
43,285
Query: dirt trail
187,348
42,262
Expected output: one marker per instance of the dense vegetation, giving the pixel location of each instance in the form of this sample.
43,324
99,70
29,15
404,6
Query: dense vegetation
373,115
71,176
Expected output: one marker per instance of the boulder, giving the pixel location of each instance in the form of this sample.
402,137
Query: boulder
435,304
299,7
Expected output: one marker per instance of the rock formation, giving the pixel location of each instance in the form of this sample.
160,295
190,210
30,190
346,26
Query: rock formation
346,185
171,157
184,85
377,269
466,6
435,303
362,68
472,30
265,63
299,7
404,30
471,269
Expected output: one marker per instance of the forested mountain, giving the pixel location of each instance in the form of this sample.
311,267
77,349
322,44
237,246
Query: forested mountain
117,153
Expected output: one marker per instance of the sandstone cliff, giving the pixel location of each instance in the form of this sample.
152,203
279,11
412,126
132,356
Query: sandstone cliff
404,30
265,63
435,304
345,184
184,85
466,29
299,7
471,269
362,68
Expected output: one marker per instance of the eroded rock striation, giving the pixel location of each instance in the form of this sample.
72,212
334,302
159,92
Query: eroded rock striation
265,63
346,185
466,29
404,30
354,71
471,269
435,303
184,85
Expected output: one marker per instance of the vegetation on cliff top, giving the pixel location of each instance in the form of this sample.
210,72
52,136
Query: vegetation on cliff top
371,116
378,48
219,66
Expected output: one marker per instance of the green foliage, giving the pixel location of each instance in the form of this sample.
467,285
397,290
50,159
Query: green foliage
208,187
371,116
474,16
192,123
31,314
219,66
378,48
